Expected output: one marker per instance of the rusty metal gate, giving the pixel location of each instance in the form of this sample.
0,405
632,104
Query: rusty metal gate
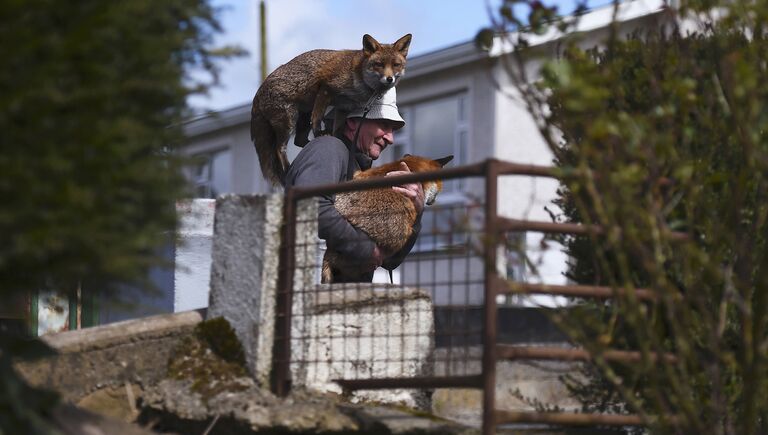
455,264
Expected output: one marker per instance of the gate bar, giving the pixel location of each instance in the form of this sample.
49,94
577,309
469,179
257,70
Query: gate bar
559,353
490,310
509,224
583,291
567,418
431,382
284,305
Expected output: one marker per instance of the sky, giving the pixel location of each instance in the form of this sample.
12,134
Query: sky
296,26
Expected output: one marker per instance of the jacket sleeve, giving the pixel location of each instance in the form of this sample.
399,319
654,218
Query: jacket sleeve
327,164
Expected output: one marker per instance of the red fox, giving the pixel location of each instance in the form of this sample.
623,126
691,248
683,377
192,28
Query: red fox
384,214
310,83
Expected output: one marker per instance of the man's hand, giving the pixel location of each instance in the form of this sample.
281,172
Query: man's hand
412,191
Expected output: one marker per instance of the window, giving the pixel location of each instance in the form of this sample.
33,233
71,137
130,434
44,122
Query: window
437,128
211,173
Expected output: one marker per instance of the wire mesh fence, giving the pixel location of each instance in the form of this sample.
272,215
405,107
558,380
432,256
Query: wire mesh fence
421,321
433,321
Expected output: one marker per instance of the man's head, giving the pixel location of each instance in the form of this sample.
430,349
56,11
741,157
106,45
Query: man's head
377,129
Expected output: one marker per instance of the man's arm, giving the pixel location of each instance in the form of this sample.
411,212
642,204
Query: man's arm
325,163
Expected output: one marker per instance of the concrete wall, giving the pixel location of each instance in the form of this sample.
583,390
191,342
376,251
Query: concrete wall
132,351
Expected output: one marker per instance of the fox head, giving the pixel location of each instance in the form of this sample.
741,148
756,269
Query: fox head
384,64
421,164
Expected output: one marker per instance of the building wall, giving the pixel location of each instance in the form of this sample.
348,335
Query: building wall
245,174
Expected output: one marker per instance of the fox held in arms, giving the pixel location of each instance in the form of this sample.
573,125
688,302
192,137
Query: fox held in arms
384,214
311,82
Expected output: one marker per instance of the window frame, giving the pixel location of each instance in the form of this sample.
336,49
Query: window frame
197,182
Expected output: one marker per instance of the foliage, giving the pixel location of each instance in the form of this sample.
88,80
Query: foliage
656,133
92,95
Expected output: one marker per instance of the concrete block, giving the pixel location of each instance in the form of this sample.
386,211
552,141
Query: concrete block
244,273
362,331
133,351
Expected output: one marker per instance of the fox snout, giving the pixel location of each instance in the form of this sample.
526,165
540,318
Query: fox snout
430,192
387,72
388,81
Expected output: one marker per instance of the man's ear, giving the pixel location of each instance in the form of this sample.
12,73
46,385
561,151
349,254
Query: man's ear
351,123
444,161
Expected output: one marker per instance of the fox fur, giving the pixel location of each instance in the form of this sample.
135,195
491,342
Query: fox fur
299,92
385,215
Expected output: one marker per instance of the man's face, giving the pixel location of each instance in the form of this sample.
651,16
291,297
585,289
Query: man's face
375,135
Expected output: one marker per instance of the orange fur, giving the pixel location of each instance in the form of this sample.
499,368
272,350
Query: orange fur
384,214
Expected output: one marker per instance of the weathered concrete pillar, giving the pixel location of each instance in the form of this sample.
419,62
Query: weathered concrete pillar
244,273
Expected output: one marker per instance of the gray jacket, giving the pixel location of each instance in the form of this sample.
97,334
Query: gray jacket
325,160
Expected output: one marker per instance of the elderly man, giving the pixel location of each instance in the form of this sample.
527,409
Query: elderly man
327,160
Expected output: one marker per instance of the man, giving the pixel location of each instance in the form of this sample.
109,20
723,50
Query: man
326,160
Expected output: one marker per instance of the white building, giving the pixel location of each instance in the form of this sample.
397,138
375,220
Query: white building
455,101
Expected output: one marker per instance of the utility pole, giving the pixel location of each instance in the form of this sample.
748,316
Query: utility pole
263,41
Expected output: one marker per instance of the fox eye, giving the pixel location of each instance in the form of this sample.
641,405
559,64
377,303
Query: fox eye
397,64
379,64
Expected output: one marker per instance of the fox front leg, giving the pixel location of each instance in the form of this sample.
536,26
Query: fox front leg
322,100
338,120
303,125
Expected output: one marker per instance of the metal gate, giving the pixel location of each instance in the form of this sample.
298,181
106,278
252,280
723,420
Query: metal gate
457,267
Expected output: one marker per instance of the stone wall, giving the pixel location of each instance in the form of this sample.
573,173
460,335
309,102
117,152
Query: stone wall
132,351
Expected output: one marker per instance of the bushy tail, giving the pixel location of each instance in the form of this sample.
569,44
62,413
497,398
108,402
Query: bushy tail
272,157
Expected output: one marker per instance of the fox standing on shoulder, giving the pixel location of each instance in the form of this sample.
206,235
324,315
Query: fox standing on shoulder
310,83
384,214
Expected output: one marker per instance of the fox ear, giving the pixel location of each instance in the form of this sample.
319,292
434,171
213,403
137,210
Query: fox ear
402,44
370,45
444,161
406,155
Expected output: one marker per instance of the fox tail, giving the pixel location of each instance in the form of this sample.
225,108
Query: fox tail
272,157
